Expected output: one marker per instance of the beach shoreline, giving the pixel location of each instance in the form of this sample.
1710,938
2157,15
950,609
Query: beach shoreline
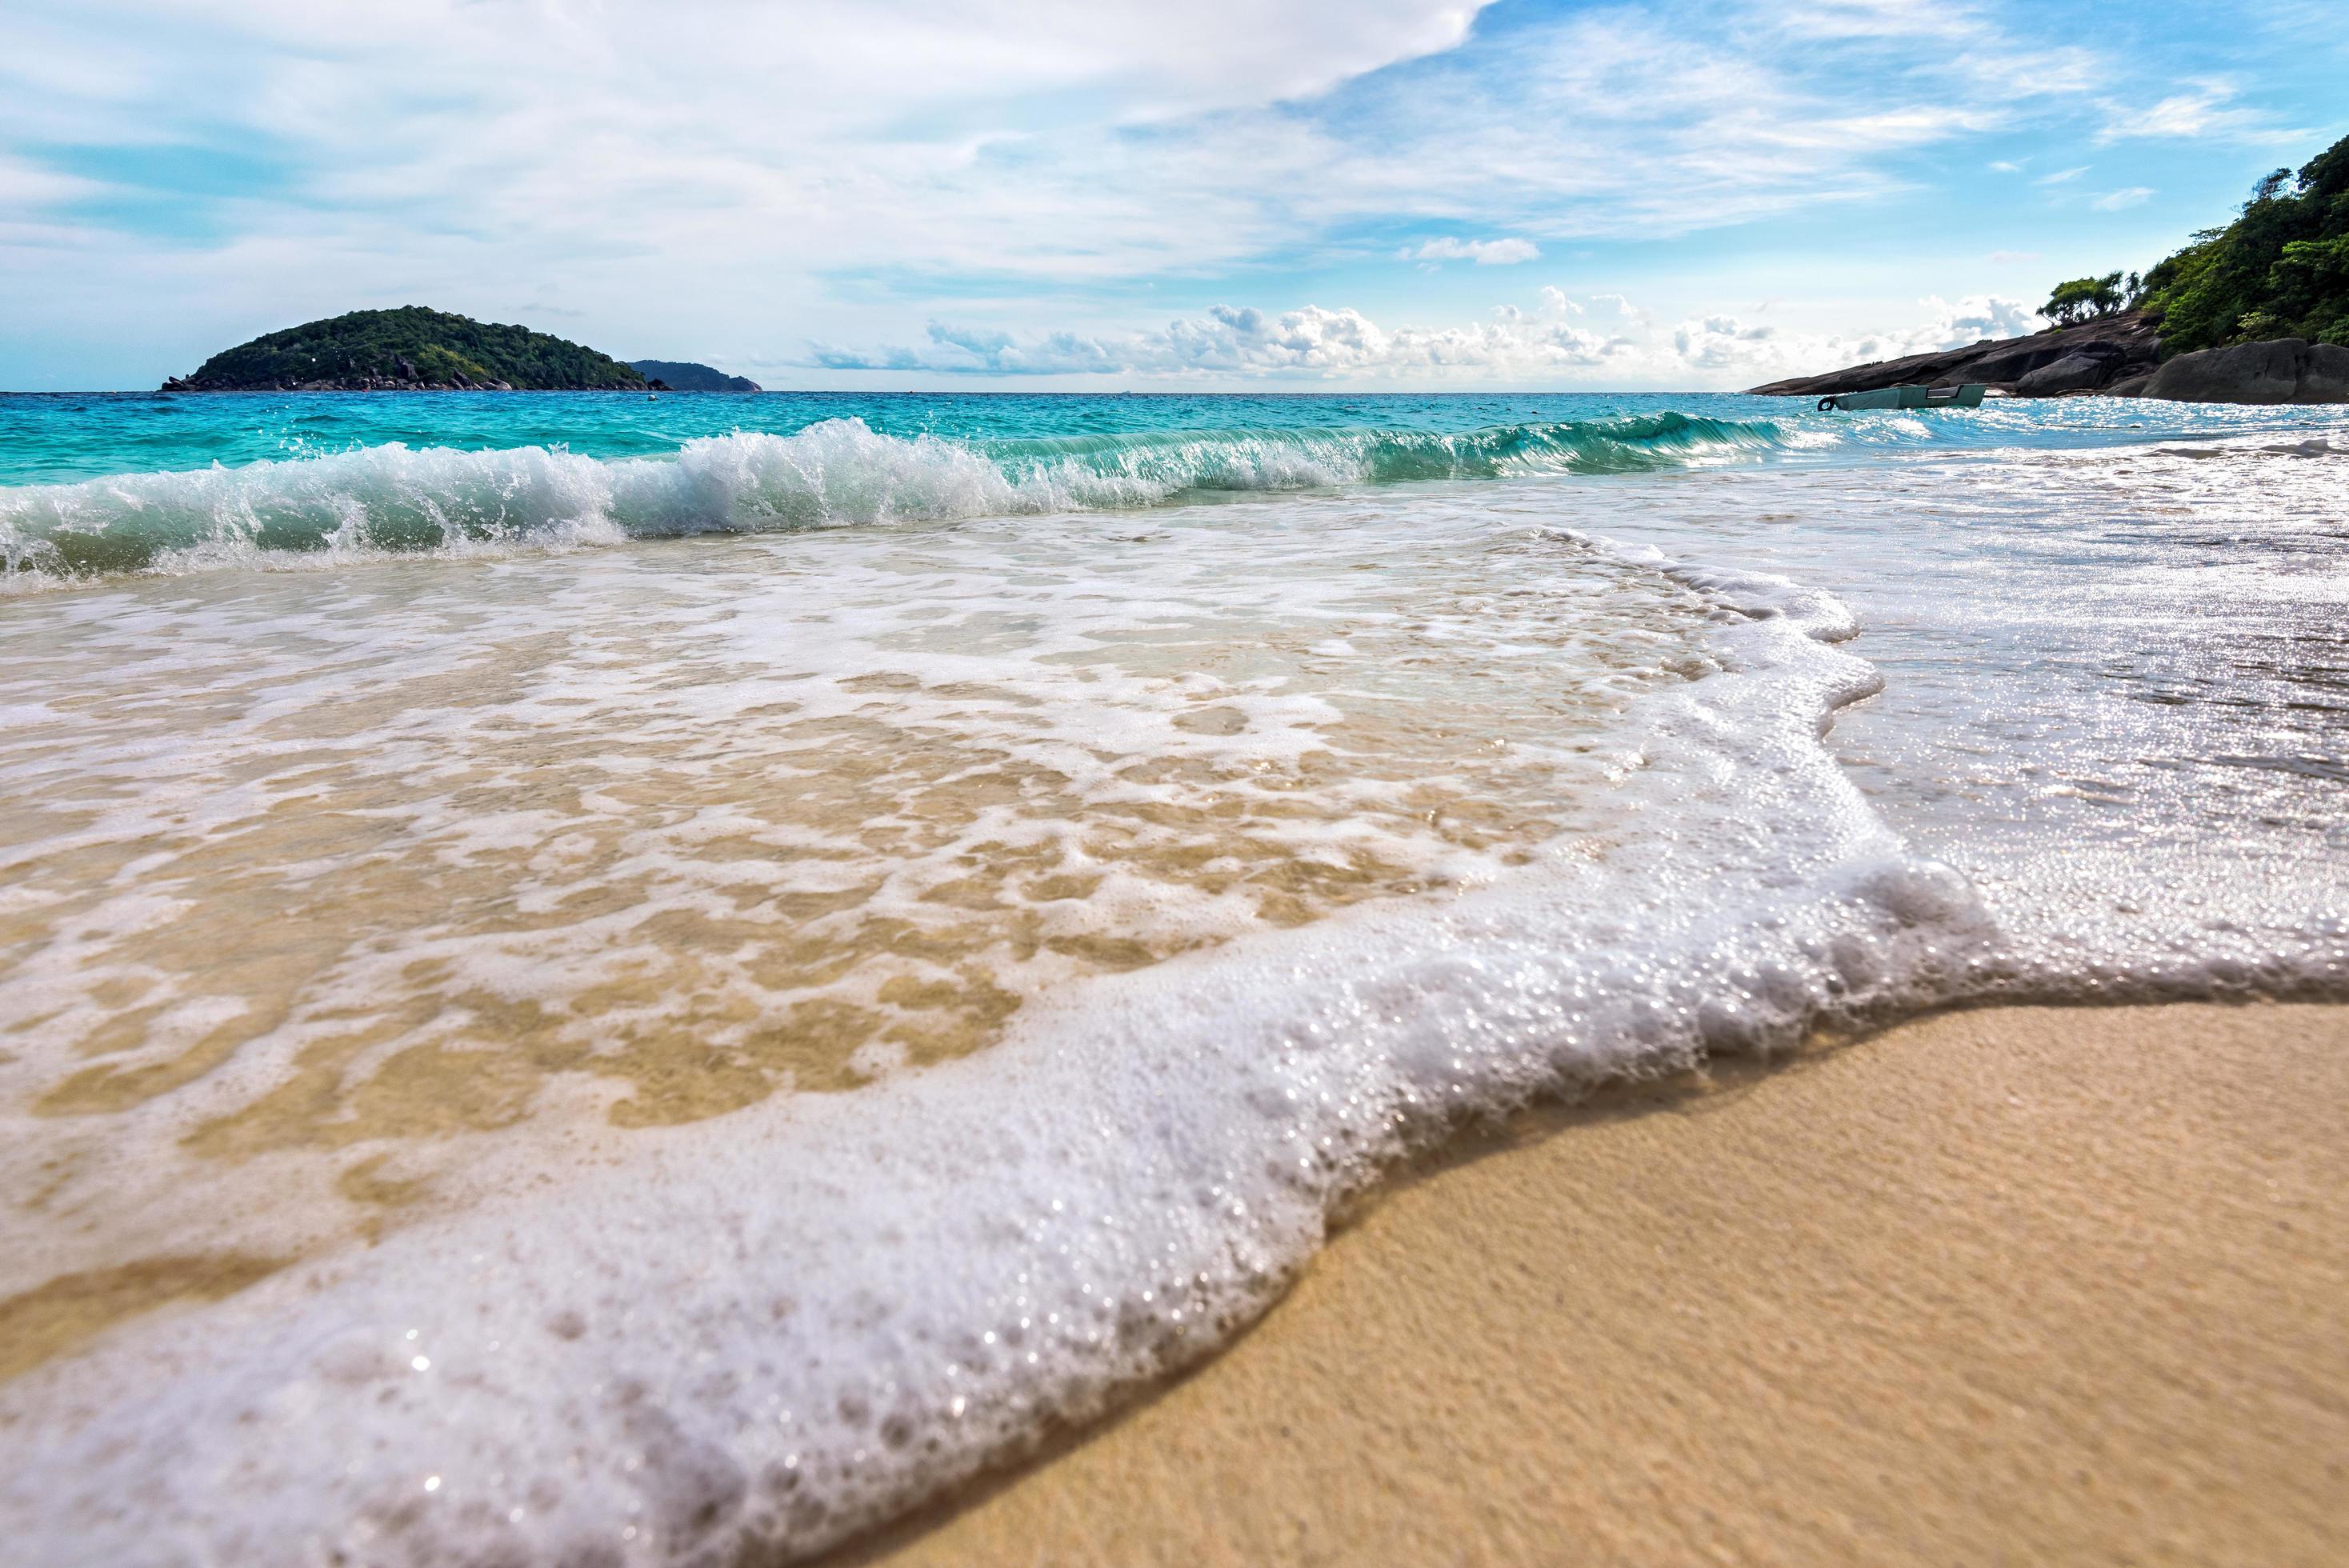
2000,1284
434,937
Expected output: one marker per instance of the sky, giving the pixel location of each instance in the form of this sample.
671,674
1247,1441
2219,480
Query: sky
1076,195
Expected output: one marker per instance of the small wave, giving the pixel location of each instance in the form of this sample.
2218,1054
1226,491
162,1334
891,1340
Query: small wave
394,500
1169,462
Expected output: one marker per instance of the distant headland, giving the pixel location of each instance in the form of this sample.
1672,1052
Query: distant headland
2256,312
413,349
684,375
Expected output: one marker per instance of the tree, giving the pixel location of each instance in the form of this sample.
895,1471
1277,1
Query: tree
2280,269
2083,299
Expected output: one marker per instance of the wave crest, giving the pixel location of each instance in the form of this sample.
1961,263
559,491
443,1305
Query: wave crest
397,499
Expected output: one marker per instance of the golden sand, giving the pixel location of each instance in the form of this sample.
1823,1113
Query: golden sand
70,1310
2022,1286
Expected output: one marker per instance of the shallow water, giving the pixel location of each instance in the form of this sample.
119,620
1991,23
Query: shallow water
694,986
305,866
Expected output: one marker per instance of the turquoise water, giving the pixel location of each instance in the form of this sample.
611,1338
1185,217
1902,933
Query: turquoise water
49,440
52,438
99,485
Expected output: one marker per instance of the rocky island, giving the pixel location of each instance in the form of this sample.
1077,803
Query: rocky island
2256,312
684,375
409,349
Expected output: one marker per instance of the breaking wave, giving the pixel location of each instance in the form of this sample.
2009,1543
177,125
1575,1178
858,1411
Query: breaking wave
394,500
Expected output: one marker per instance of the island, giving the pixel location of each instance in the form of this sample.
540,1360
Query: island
409,349
684,375
2255,312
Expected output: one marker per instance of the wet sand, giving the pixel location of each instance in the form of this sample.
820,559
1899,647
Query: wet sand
2018,1286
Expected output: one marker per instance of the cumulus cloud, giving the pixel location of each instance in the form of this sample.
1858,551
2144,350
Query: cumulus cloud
1755,351
1722,343
1634,314
1975,317
1484,252
1311,341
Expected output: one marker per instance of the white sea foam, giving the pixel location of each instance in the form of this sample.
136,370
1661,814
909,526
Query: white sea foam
710,821
786,1323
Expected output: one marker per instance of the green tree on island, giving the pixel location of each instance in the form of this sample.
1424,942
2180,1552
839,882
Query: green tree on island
2083,299
2280,269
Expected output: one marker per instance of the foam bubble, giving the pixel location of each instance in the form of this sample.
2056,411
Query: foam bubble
781,1327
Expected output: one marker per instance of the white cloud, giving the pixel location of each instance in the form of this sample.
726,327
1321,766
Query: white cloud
2201,113
1071,139
1063,137
1723,342
2004,258
724,181
1484,252
27,186
1632,313
2061,176
1542,346
1975,317
1757,352
2127,196
1309,343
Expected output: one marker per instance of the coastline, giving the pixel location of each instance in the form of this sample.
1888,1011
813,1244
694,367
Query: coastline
2015,1283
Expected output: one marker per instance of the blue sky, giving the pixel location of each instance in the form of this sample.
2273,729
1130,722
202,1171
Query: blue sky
1388,194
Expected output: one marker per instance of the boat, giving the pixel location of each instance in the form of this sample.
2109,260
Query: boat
1968,395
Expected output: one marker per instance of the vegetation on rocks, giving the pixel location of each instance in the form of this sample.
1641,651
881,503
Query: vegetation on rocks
685,375
2086,299
2279,269
410,347
2257,311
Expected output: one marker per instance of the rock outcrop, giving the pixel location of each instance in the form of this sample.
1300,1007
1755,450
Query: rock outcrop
2282,370
2094,357
2117,356
2084,371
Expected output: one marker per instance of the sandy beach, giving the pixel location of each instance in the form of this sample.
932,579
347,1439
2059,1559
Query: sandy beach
2043,1285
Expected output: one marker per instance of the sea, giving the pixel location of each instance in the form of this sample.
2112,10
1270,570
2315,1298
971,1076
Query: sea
590,979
